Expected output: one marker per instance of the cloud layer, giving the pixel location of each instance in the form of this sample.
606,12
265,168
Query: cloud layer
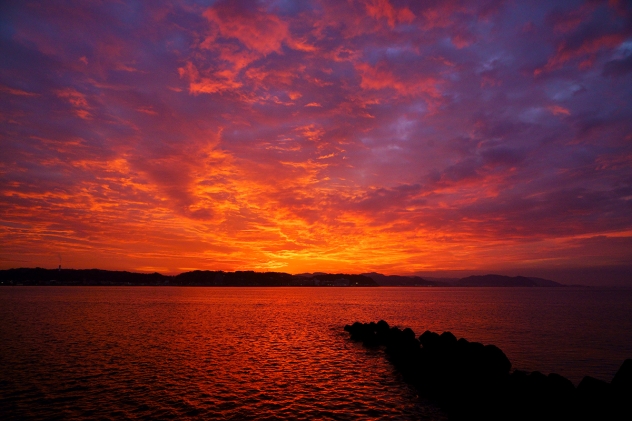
396,136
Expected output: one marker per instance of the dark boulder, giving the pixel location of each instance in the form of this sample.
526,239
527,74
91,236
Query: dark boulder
447,339
355,327
623,379
595,399
559,386
429,339
370,339
408,334
590,386
495,361
622,391
382,326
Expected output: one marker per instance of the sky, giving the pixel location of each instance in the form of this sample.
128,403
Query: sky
402,137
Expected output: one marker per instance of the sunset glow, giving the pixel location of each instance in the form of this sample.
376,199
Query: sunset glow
337,136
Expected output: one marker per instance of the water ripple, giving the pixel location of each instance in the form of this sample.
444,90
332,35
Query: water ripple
232,353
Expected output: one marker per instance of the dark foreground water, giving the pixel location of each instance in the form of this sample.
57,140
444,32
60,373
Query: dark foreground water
269,353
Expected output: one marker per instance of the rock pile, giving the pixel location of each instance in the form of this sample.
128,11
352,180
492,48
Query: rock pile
474,381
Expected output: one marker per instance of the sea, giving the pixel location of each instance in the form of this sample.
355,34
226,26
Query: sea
257,353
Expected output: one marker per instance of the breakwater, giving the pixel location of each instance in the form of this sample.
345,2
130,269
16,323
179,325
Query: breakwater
474,381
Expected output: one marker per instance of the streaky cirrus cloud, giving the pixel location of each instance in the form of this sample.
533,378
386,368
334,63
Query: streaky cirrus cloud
386,135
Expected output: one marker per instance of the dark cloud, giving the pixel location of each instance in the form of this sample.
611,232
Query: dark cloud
618,68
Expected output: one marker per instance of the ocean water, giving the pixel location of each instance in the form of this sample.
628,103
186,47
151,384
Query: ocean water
270,353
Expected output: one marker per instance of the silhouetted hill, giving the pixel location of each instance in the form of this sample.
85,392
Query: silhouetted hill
39,276
239,278
442,282
335,279
540,282
504,281
396,280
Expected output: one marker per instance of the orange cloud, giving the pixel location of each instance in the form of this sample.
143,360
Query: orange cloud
462,40
198,84
380,77
567,53
558,110
564,23
77,100
295,95
17,92
311,132
314,148
147,110
442,14
259,31
378,9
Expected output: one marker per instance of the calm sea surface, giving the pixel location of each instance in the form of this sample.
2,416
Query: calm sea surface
269,353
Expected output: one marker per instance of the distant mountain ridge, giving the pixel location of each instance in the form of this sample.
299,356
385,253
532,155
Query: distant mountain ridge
505,281
39,276
470,281
397,280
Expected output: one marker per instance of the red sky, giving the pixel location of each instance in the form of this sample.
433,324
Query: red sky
361,135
